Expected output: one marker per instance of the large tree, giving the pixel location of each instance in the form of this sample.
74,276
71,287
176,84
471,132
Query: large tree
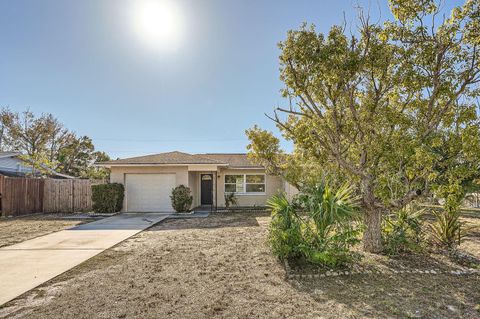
46,144
391,107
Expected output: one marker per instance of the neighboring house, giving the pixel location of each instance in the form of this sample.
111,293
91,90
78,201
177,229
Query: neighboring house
11,164
149,180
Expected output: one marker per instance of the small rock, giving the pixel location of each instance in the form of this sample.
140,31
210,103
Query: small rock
318,291
452,308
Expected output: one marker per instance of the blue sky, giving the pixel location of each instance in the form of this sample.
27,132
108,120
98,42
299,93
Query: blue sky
83,62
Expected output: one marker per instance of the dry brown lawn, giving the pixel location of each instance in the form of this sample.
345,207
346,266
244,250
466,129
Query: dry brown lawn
221,267
16,230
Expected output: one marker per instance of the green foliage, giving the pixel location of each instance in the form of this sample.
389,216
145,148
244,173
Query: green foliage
318,225
447,231
230,199
77,157
181,198
403,231
107,198
47,145
392,108
285,236
329,230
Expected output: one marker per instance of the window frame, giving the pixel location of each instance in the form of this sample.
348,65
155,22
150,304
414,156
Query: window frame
245,184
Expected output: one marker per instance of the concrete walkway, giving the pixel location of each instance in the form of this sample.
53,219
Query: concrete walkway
26,265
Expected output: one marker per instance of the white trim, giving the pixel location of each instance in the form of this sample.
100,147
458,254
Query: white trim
245,193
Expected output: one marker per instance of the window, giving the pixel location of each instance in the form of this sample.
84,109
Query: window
244,184
234,183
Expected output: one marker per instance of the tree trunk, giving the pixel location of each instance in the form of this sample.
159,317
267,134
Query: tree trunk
372,237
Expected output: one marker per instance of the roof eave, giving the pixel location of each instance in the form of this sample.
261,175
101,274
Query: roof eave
108,165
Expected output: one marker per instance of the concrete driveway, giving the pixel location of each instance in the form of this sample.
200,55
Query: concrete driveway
26,265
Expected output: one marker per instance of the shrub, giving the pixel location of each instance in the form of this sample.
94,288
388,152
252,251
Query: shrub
285,236
447,230
329,232
230,199
107,198
318,225
181,198
402,231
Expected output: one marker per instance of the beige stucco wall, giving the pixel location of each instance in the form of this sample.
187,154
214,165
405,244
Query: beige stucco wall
274,185
290,190
117,173
193,185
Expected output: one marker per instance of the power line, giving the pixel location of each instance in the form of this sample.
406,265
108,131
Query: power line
171,140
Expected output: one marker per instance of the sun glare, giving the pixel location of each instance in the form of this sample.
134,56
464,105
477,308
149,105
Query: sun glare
158,23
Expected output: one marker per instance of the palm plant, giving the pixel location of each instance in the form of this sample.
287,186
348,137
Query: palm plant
402,230
317,225
328,207
447,230
329,232
285,228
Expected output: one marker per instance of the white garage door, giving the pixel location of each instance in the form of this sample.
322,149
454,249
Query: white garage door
149,192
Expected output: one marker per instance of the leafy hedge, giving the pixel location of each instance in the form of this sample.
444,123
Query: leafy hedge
107,198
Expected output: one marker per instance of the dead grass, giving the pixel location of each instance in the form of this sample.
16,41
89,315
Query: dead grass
16,230
220,267
471,245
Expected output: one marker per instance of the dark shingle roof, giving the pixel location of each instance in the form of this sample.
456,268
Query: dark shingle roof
232,160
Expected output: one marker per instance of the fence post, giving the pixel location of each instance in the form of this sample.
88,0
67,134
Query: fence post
2,195
73,195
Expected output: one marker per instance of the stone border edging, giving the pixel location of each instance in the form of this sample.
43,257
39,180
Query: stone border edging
329,273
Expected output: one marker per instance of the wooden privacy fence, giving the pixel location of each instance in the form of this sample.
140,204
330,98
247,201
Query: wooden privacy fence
67,195
20,196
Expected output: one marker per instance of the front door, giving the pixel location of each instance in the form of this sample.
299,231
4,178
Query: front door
206,188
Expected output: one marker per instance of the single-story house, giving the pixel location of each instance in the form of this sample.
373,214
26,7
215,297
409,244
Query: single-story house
12,164
149,180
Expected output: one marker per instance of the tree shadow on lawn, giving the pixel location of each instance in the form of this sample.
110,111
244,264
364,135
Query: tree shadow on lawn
398,296
213,221
401,295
